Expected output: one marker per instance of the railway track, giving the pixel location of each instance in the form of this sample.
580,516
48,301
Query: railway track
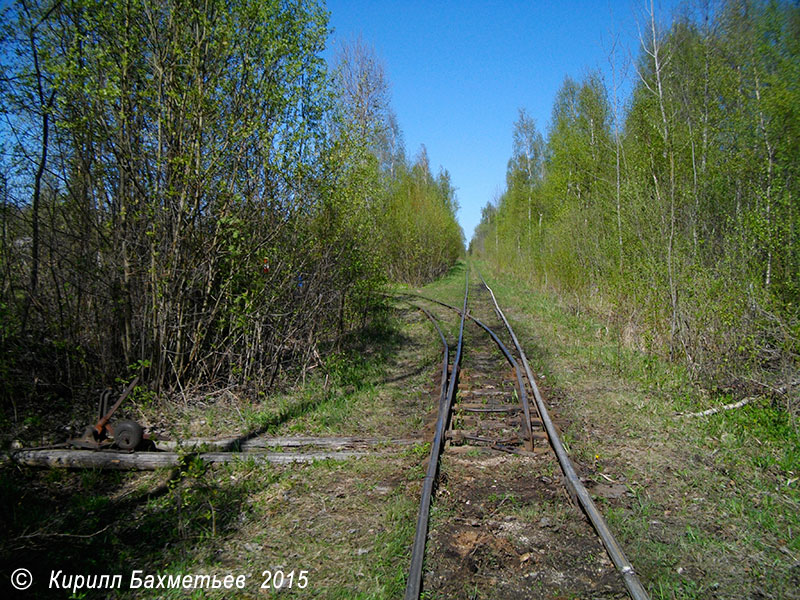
486,425
509,495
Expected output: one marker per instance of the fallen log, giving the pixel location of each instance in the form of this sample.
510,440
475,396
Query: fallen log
713,411
149,461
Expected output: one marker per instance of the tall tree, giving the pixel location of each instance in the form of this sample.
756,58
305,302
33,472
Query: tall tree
526,168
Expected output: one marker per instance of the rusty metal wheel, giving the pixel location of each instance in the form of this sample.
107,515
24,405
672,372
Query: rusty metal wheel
128,435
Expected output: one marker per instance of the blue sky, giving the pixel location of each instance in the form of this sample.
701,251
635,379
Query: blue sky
460,71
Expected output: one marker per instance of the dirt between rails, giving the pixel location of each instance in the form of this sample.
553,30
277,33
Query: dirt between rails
505,529
502,524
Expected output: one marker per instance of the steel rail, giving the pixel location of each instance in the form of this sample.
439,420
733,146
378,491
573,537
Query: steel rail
446,359
512,361
414,582
621,562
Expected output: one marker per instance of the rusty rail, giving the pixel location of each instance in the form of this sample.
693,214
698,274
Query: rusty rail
526,410
445,352
414,582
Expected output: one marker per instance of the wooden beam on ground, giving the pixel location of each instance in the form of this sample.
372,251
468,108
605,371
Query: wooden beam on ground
149,461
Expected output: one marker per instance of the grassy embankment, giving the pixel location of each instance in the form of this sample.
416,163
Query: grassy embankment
348,523
711,509
713,506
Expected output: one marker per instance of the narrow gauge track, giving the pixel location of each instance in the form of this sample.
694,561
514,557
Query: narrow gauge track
489,396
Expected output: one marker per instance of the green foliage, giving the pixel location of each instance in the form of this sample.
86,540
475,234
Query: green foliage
687,223
410,214
211,204
422,237
189,141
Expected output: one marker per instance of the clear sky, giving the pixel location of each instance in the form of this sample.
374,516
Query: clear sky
460,71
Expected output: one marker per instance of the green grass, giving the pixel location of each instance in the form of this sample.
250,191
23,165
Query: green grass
349,523
715,508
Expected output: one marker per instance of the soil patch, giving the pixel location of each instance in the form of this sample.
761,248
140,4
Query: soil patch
505,529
